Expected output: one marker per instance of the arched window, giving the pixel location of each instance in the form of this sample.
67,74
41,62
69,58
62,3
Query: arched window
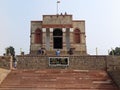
77,36
38,36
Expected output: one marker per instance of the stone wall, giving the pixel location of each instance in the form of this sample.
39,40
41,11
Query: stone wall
5,62
109,63
113,63
32,62
87,62
75,62
57,19
114,69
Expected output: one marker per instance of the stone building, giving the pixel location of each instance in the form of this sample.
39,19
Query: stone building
58,32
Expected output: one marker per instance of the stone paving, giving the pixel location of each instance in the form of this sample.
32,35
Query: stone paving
58,79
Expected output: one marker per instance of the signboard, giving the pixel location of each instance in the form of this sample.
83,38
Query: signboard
58,61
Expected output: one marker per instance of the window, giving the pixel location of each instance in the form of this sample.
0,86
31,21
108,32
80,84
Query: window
38,36
77,36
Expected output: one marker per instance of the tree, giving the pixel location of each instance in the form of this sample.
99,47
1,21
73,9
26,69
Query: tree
115,51
10,51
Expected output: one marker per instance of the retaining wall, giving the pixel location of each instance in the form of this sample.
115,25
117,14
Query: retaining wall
110,63
75,62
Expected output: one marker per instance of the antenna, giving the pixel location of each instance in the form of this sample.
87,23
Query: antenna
57,5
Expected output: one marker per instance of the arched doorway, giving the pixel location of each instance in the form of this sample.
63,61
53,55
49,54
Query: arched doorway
57,39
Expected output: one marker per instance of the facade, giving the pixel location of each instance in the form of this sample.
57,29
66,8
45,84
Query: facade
58,32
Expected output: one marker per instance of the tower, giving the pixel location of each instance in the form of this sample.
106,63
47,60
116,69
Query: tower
58,32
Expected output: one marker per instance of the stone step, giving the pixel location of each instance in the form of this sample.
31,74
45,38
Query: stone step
58,80
48,89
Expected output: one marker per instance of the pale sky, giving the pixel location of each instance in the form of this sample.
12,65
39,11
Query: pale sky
102,22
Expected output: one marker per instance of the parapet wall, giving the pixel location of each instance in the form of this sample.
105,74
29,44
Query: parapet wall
109,63
113,63
75,62
32,62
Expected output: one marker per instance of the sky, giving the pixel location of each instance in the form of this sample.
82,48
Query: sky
102,19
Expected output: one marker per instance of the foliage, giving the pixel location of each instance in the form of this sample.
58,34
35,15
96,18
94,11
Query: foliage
10,51
115,51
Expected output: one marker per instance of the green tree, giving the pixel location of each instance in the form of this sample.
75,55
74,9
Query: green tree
10,51
115,51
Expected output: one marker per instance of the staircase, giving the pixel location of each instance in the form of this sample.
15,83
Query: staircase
58,79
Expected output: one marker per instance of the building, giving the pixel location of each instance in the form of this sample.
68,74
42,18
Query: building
58,32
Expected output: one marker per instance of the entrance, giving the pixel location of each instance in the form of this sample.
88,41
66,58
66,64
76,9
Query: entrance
57,39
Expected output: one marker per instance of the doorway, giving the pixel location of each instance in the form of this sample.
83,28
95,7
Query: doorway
57,39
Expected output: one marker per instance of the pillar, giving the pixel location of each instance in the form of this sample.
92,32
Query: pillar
68,39
64,38
44,36
51,38
47,39
71,36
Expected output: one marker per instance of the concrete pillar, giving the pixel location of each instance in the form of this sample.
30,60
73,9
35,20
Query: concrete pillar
47,39
67,39
71,36
51,30
64,37
51,38
63,30
71,29
44,36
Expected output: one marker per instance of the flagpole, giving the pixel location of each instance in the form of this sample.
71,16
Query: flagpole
57,5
